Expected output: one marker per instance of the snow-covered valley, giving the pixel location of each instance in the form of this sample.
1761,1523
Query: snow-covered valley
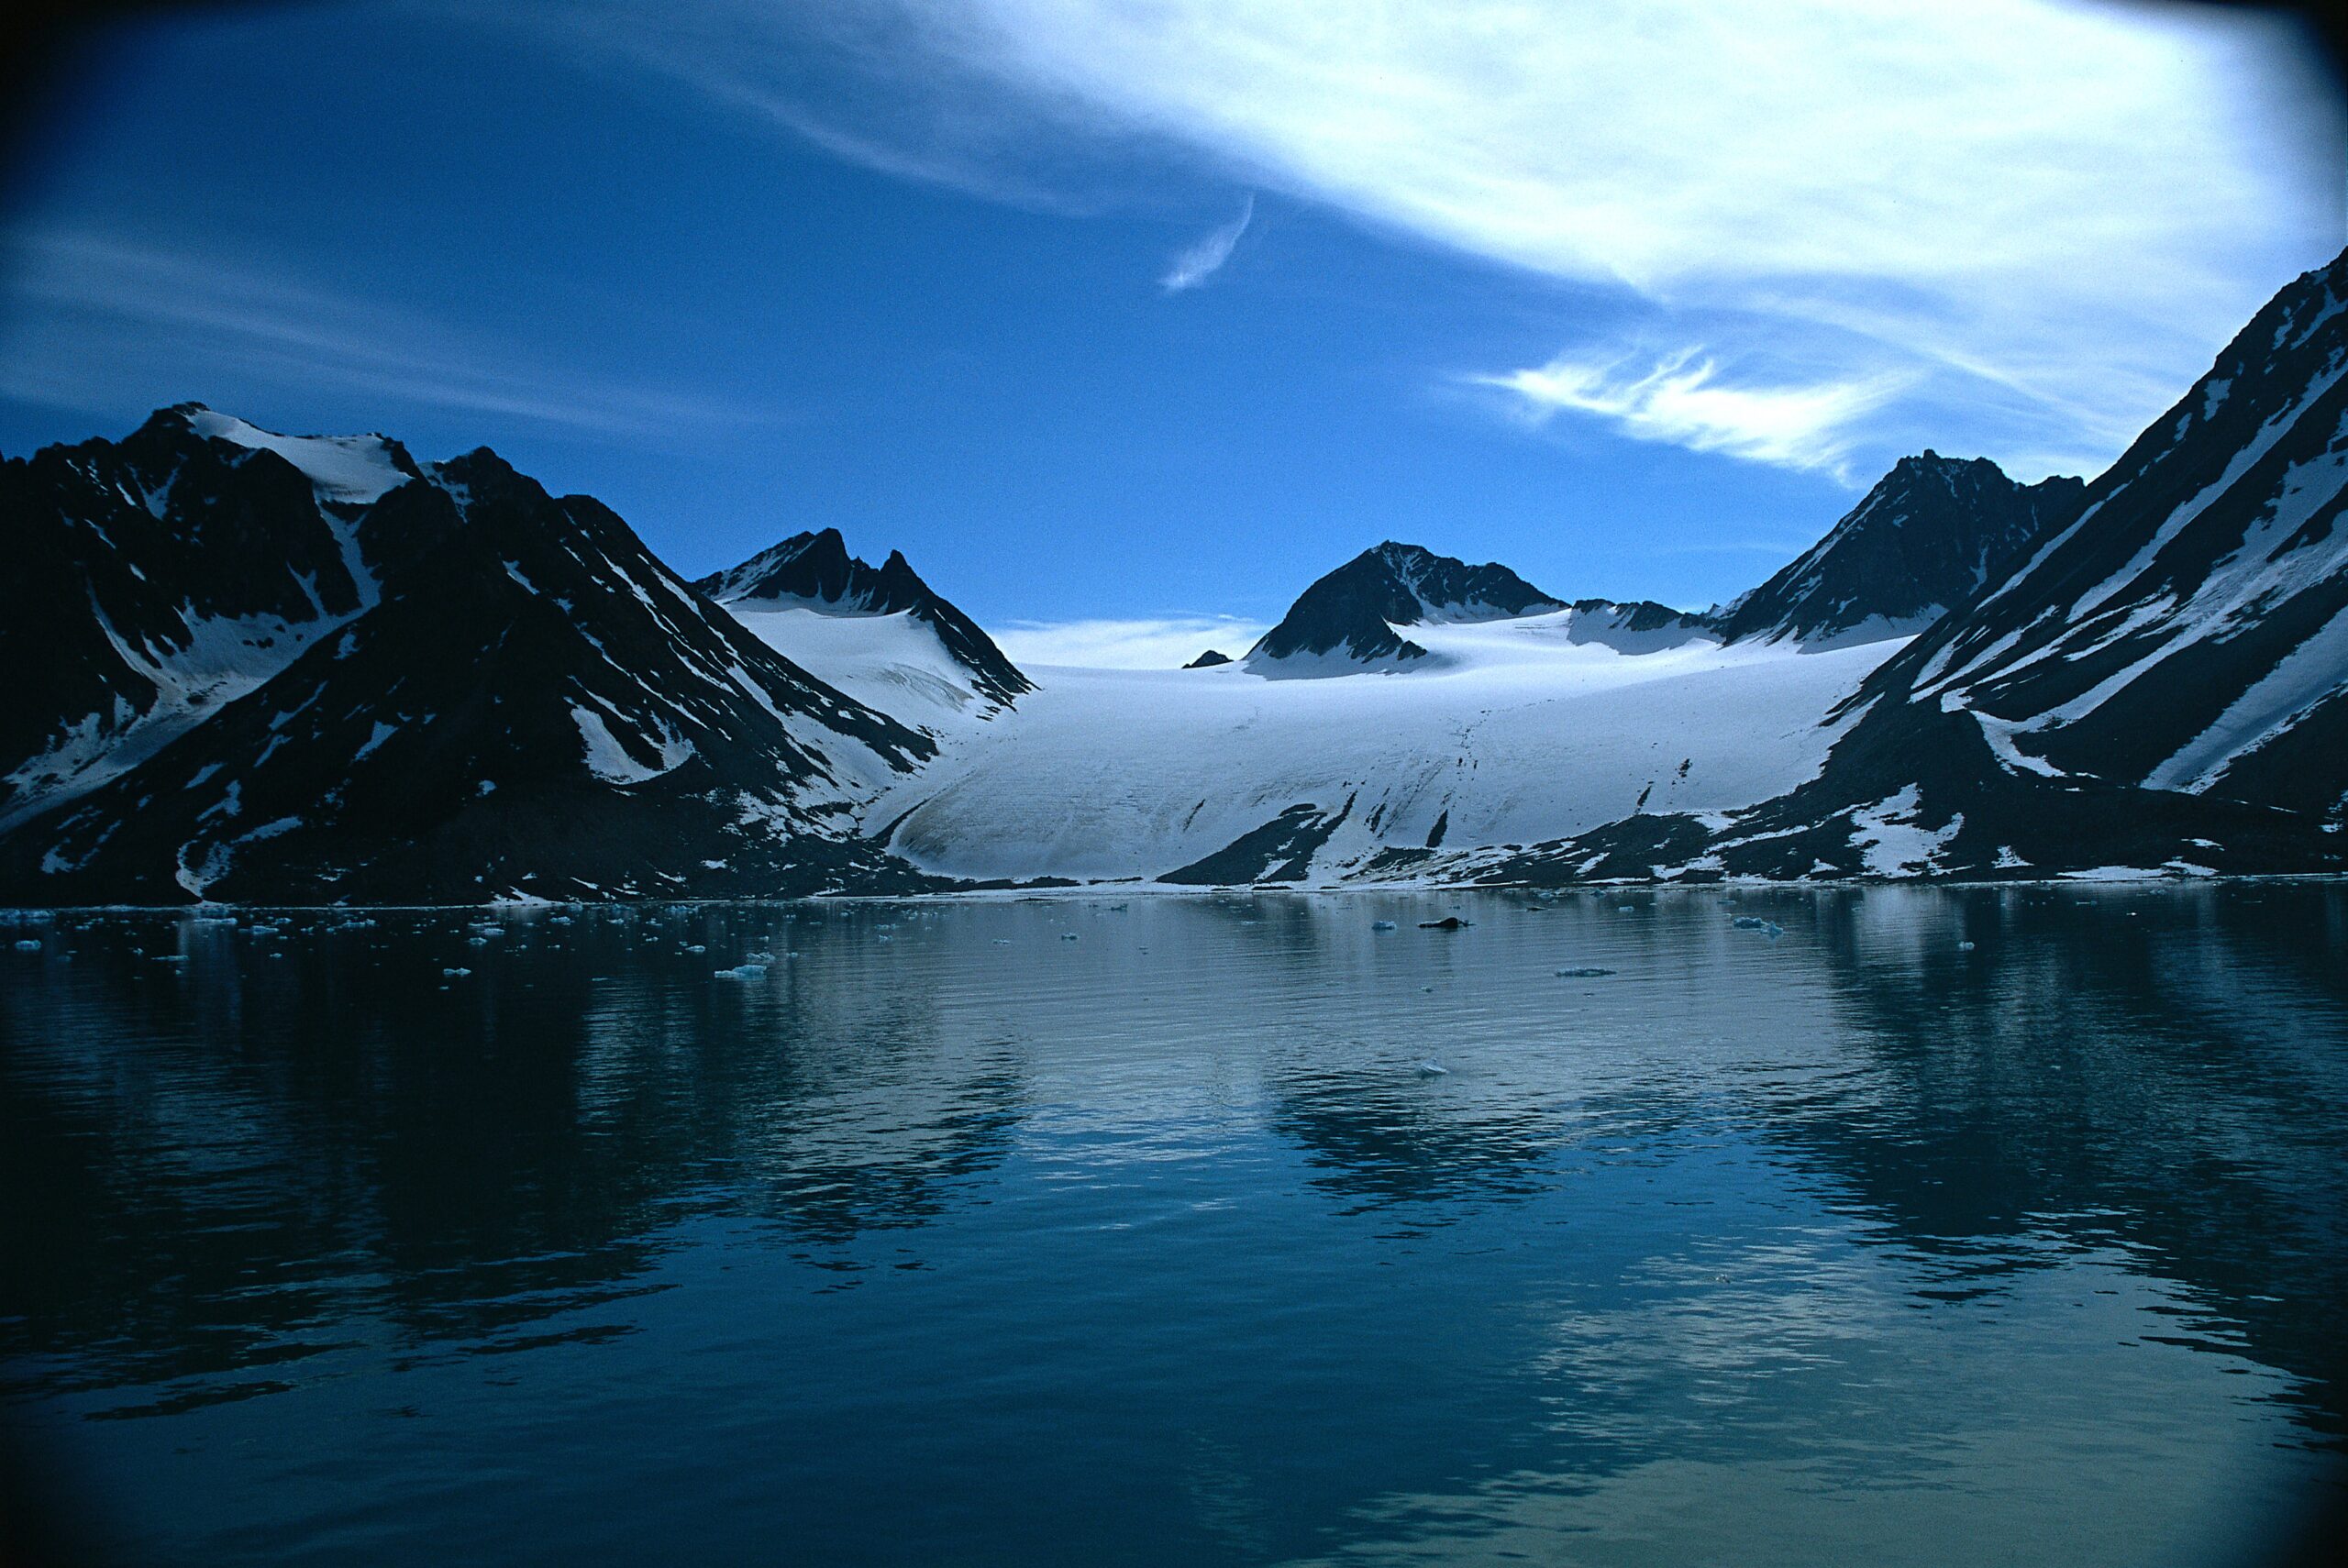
1517,735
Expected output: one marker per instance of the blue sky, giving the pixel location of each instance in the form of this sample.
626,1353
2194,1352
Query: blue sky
1130,313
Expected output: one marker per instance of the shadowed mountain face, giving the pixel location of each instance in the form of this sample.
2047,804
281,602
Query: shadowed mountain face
2163,682
2179,652
154,579
816,571
437,684
1349,618
1931,534
1351,613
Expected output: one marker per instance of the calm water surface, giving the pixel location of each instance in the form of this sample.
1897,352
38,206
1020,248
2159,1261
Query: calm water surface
1085,1231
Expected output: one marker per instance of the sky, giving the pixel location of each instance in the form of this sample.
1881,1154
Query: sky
1124,319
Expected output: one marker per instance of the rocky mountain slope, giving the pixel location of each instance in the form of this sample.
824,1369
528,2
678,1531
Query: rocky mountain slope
814,574
1931,534
1347,619
2162,683
253,667
315,669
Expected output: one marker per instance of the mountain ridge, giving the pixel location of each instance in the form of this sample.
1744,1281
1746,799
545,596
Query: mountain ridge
815,569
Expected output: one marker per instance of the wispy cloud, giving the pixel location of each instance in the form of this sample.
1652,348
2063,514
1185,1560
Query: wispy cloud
1160,642
1203,260
2057,208
98,324
1684,400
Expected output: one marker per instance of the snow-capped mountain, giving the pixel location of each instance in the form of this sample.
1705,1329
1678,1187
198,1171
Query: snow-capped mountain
882,633
156,579
263,667
1358,615
2162,683
439,683
1931,534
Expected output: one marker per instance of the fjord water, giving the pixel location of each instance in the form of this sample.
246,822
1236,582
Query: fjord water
1199,1229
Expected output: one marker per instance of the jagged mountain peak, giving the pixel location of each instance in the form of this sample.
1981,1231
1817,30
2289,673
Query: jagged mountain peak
347,470
1347,619
1932,533
1350,613
255,684
815,570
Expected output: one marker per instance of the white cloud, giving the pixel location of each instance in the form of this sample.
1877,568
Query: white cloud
1203,260
1683,399
1161,643
2053,208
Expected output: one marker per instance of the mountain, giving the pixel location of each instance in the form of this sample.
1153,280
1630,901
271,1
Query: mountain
1348,619
308,670
156,579
945,666
1932,533
1209,660
2161,683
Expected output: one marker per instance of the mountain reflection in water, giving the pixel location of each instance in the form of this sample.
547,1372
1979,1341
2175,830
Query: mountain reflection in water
947,1238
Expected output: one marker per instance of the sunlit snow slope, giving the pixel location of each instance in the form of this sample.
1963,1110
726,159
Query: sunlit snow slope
1513,734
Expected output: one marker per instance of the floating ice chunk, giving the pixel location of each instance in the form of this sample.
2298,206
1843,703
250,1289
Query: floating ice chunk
28,944
1626,909
1381,925
742,972
696,947
1965,946
455,974
1587,973
1065,936
1433,1070
1448,922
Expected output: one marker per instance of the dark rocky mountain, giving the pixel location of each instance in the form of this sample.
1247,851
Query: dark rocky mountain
1932,533
1209,660
1348,618
155,578
1351,613
2163,682
815,571
445,685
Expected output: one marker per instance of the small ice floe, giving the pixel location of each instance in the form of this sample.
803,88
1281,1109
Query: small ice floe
1433,1070
1965,946
1584,973
742,972
1448,922
1626,909
456,974
1381,925
1769,928
696,947
1068,936
27,944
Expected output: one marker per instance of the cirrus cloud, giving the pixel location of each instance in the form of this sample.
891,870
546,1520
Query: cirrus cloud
2050,210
